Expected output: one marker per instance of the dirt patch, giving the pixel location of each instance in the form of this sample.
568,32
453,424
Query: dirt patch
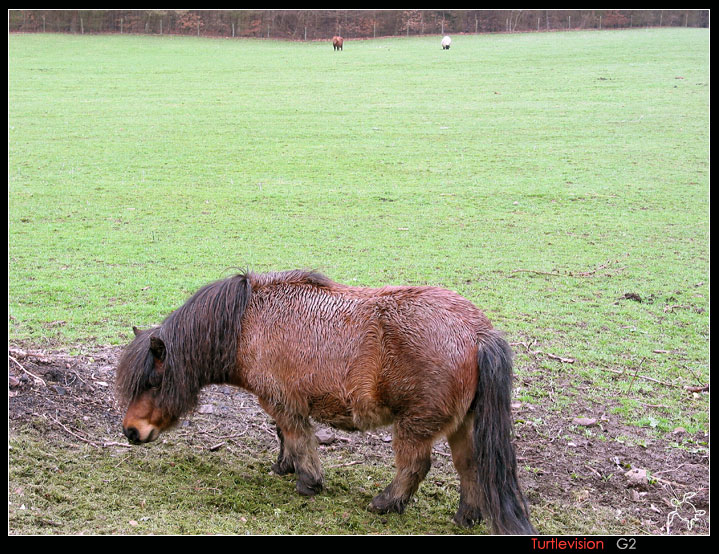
651,486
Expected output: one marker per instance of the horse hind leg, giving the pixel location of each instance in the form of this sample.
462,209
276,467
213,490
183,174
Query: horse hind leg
412,461
465,462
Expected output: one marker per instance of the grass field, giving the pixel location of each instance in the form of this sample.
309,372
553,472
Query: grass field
554,179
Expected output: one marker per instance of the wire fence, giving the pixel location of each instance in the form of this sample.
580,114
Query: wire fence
322,24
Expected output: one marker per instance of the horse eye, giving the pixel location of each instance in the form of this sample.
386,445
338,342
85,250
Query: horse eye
155,380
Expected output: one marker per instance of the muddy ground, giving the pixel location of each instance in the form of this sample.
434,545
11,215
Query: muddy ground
576,464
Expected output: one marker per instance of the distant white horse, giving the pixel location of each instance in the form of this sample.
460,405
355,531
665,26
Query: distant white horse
446,41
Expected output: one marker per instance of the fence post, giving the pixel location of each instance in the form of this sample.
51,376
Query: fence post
120,25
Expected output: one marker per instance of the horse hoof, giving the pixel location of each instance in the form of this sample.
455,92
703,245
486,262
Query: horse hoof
465,522
380,505
308,489
467,517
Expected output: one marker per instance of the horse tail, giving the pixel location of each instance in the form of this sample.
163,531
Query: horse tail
501,500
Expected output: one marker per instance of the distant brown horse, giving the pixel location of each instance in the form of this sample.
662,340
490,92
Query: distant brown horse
337,42
421,358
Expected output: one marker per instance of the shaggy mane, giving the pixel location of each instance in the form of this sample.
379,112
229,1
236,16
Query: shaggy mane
201,346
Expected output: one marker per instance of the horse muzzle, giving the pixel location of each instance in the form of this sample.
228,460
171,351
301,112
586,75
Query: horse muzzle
141,436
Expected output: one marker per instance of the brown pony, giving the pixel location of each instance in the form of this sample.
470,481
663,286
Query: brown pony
337,42
421,358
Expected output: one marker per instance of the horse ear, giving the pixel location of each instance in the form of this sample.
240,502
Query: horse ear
136,330
157,347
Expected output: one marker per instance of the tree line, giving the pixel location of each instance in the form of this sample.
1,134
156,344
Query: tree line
322,24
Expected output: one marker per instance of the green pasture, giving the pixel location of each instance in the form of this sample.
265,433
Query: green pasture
554,179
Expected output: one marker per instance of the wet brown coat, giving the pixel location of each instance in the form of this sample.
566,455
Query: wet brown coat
359,358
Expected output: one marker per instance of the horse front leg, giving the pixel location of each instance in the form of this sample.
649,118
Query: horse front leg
298,452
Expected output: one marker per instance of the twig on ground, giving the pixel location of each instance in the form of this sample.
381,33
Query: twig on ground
668,470
635,375
541,352
702,388
83,439
112,443
344,465
554,357
641,377
234,435
29,373
538,272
